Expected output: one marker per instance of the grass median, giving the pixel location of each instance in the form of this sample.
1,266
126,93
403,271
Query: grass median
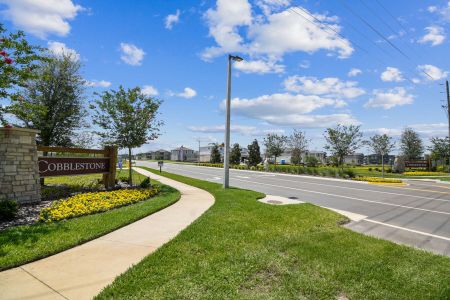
243,249
23,244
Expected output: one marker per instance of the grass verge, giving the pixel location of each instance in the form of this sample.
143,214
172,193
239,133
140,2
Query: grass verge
243,249
23,244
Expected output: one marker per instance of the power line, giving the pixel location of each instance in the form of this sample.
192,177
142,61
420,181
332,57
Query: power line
380,35
340,36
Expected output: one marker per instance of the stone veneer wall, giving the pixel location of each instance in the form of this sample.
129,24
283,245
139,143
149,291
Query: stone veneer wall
19,171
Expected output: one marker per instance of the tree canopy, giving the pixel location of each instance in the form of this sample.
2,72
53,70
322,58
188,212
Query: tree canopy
275,144
215,154
411,144
53,102
342,140
235,155
18,62
298,144
254,154
127,117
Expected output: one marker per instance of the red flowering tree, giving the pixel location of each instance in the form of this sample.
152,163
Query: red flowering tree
18,60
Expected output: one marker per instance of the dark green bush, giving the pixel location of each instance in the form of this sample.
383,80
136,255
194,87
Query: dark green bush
8,210
145,184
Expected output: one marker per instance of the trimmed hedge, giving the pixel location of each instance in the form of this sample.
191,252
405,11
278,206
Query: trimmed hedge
290,169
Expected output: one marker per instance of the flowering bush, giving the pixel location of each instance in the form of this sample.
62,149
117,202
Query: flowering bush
424,173
377,179
89,203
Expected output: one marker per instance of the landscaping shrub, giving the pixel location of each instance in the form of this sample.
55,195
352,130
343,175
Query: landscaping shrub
424,173
377,179
89,203
8,210
369,169
145,184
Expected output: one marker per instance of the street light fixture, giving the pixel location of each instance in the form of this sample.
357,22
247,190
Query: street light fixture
226,156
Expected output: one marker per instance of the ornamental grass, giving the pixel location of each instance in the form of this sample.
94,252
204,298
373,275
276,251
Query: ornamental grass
424,173
377,179
94,202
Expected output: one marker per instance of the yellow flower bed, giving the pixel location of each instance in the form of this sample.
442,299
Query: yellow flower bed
89,203
424,173
377,179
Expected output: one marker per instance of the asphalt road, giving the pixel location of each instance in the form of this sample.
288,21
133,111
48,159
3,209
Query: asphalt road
417,215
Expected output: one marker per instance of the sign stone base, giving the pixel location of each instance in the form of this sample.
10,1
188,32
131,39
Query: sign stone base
19,172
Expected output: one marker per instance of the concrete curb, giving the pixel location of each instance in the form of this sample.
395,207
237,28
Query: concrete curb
83,271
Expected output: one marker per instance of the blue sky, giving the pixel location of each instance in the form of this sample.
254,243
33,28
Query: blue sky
308,64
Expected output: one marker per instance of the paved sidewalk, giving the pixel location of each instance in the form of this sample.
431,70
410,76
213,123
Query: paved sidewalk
82,272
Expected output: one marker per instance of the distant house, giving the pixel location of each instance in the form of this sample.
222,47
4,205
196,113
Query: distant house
160,154
375,159
183,154
285,158
205,153
356,159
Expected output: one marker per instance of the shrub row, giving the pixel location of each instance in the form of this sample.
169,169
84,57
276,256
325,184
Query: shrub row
377,179
89,203
424,173
290,169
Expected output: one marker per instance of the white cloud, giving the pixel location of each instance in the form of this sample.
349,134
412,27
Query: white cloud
270,35
268,6
223,22
312,121
289,109
149,90
354,72
59,49
172,19
305,64
131,54
259,66
42,17
98,83
388,99
330,86
240,129
392,74
435,35
186,93
426,130
443,12
433,71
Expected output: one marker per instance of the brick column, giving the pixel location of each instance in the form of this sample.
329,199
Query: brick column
19,171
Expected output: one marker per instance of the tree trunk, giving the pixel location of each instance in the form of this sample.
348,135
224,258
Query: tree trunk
130,170
275,161
382,165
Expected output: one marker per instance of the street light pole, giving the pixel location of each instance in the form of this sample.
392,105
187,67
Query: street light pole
226,156
448,115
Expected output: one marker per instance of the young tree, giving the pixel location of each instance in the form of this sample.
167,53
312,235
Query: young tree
311,161
298,143
254,154
18,61
381,145
53,102
440,148
235,155
215,154
128,119
275,144
342,140
411,144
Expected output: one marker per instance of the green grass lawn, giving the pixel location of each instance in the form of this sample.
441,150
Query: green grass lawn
244,249
22,244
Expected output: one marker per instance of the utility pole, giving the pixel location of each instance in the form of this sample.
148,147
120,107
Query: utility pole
448,114
198,160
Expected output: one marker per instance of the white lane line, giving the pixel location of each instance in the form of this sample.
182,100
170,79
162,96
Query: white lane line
334,195
217,178
344,187
243,177
407,229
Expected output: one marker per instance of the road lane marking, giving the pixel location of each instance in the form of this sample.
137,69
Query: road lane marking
243,177
349,188
407,229
335,195
421,190
351,198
